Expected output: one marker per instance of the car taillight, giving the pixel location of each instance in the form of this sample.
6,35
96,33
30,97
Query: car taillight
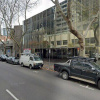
54,66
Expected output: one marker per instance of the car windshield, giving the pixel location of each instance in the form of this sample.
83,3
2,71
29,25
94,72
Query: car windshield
37,58
95,65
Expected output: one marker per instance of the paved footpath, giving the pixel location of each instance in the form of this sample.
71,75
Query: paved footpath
49,65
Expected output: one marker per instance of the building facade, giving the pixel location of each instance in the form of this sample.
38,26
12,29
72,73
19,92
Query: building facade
18,31
48,33
37,29
8,43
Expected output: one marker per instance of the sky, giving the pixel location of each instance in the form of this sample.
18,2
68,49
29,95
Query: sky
42,5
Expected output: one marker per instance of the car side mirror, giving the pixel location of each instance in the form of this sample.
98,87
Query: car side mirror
93,69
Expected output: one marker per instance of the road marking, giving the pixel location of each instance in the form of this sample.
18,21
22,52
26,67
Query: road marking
35,71
87,87
11,94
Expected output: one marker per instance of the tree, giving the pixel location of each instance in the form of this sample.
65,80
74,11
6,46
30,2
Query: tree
7,9
11,10
68,19
22,8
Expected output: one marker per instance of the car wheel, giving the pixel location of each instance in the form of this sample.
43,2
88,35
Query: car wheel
65,75
30,66
22,65
99,84
13,63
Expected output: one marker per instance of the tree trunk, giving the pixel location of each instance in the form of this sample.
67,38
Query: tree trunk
19,52
4,49
95,35
82,52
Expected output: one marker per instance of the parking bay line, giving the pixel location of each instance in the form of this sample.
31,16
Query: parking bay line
87,87
12,95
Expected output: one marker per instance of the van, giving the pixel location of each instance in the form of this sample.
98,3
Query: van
31,60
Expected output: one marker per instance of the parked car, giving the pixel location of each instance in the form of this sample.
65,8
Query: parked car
9,60
31,60
3,57
15,60
83,69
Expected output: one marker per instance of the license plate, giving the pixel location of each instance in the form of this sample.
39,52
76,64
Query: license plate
40,66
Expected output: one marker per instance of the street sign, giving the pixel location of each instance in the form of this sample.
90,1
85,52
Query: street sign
49,51
28,50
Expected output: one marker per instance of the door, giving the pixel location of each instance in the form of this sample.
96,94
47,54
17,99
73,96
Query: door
76,69
88,73
31,61
26,61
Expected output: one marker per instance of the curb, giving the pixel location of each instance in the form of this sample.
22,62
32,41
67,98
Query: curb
48,69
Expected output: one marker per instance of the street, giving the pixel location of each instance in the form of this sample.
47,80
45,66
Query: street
21,83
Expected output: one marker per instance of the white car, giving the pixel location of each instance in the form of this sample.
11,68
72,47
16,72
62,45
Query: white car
30,60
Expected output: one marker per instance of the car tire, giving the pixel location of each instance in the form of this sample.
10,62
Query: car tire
30,66
22,65
99,84
65,75
13,63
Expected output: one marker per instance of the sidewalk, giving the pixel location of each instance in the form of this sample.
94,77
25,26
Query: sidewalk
50,65
98,62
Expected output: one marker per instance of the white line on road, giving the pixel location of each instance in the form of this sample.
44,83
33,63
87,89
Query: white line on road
35,71
87,87
11,94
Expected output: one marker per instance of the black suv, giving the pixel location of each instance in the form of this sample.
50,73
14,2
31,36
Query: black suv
83,69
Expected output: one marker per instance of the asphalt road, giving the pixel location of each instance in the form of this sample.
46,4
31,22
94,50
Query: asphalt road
21,83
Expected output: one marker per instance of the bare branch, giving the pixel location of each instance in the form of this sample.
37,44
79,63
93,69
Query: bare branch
2,41
68,20
53,2
95,34
95,18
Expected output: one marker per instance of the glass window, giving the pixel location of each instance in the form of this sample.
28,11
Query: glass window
78,64
64,42
95,65
58,29
73,41
87,66
63,24
59,24
87,40
31,58
52,42
37,58
76,41
64,10
92,40
58,20
58,42
64,6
